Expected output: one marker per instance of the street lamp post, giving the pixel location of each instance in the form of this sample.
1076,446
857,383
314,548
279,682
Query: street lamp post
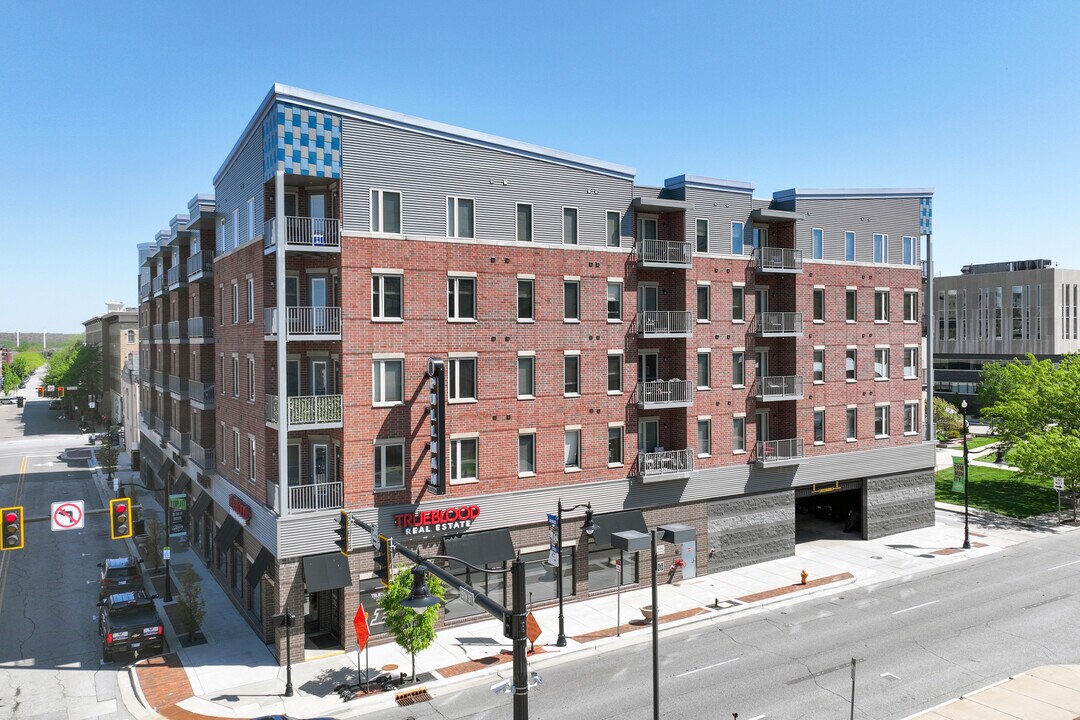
963,410
589,527
634,541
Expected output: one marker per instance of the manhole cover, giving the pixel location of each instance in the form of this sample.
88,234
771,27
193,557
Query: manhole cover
389,668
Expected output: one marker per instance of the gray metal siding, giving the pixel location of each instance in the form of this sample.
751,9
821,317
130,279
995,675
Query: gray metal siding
895,217
263,524
720,209
427,169
244,180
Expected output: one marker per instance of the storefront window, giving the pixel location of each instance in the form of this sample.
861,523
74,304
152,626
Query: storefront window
490,584
371,591
236,565
540,578
602,568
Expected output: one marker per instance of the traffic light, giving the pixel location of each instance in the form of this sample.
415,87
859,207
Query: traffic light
59,391
12,538
384,559
40,391
344,525
120,518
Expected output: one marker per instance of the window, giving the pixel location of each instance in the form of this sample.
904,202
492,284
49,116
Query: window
386,292
818,238
385,211
130,336
224,385
572,450
703,312
251,379
704,369
738,368
236,228
389,465
738,434
461,298
525,376
819,426
852,423
881,305
911,306
736,238
221,240
702,235
236,449
849,246
738,308
524,222
525,300
615,444
881,421
614,234
462,379
851,303
909,250
704,437
881,248
235,377
614,301
250,219
463,454
387,382
850,362
250,300
572,375
526,454
235,303
569,226
819,304
614,373
911,362
459,217
571,300
819,365
881,363
251,458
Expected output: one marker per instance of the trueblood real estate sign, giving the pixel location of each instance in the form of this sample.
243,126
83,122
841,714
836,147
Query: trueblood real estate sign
426,521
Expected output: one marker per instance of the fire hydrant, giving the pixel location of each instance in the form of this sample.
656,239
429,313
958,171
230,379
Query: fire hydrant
804,575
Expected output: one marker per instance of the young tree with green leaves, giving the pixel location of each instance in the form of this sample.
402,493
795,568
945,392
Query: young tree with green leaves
947,419
412,631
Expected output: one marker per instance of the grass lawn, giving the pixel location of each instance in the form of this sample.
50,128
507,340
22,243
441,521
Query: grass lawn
977,442
1000,491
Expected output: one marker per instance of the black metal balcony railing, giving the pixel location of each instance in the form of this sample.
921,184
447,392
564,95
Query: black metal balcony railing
657,394
200,327
302,233
173,276
665,464
155,285
780,260
160,381
779,387
178,387
206,458
664,253
144,290
201,262
180,440
157,332
201,393
305,321
779,451
779,324
307,410
177,330
665,323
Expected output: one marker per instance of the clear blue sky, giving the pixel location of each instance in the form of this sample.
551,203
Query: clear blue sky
116,114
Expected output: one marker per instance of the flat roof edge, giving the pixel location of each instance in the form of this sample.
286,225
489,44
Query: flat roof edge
708,183
837,193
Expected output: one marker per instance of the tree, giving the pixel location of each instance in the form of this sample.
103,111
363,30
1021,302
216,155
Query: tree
108,457
1037,414
412,631
947,419
192,604
155,539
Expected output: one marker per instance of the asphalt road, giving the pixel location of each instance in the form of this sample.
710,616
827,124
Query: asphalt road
918,642
50,651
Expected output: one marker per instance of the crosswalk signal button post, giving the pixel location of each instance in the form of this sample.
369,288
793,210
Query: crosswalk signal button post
12,538
120,518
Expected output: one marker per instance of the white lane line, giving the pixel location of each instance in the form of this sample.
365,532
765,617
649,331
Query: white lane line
915,607
1056,567
758,717
709,667
890,675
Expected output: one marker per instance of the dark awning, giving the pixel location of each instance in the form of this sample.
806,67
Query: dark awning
326,572
201,503
227,533
768,215
258,566
167,466
617,522
481,548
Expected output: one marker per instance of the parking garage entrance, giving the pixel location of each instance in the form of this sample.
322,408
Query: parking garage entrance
830,511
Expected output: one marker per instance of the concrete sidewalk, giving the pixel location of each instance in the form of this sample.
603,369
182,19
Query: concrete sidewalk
1043,693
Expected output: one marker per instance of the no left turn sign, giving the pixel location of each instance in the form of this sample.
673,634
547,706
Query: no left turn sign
68,515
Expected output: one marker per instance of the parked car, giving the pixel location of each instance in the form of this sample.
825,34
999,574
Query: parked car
128,622
54,405
7,400
119,575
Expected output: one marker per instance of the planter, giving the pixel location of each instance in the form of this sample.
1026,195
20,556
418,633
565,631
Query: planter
647,613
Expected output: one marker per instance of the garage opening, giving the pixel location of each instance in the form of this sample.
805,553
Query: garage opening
830,511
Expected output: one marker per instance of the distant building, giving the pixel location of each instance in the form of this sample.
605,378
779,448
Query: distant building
995,312
116,332
129,399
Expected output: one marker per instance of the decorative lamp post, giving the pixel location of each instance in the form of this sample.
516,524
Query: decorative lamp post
589,527
963,410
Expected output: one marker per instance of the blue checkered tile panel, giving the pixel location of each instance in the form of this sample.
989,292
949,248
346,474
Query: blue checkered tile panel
301,141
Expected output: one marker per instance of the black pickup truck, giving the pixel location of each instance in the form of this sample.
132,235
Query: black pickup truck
128,622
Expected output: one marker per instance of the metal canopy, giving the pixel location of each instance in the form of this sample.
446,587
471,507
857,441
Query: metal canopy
201,503
617,522
767,215
631,540
661,204
481,548
258,566
326,572
227,533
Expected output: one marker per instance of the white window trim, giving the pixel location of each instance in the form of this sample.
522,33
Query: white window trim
573,468
812,231
523,354
446,209
378,443
697,319
401,212
577,282
532,224
708,236
476,377
577,225
376,274
524,432
452,274
622,369
566,354
381,361
703,351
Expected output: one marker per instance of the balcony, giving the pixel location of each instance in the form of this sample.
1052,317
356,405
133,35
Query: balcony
306,323
178,387
776,453
144,333
177,330
200,265
180,440
174,278
322,235
157,333
201,328
665,324
205,458
778,324
308,412
664,254
158,426
160,381
316,496
778,387
155,285
659,394
144,291
665,465
201,394
778,260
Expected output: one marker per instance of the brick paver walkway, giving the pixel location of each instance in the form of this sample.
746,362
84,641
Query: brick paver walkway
816,582
164,683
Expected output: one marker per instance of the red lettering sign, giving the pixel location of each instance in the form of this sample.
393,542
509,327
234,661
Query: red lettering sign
456,518
240,507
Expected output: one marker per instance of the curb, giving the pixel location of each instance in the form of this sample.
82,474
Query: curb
966,695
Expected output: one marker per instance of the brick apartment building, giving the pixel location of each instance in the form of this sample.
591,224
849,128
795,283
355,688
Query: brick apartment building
116,333
684,353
